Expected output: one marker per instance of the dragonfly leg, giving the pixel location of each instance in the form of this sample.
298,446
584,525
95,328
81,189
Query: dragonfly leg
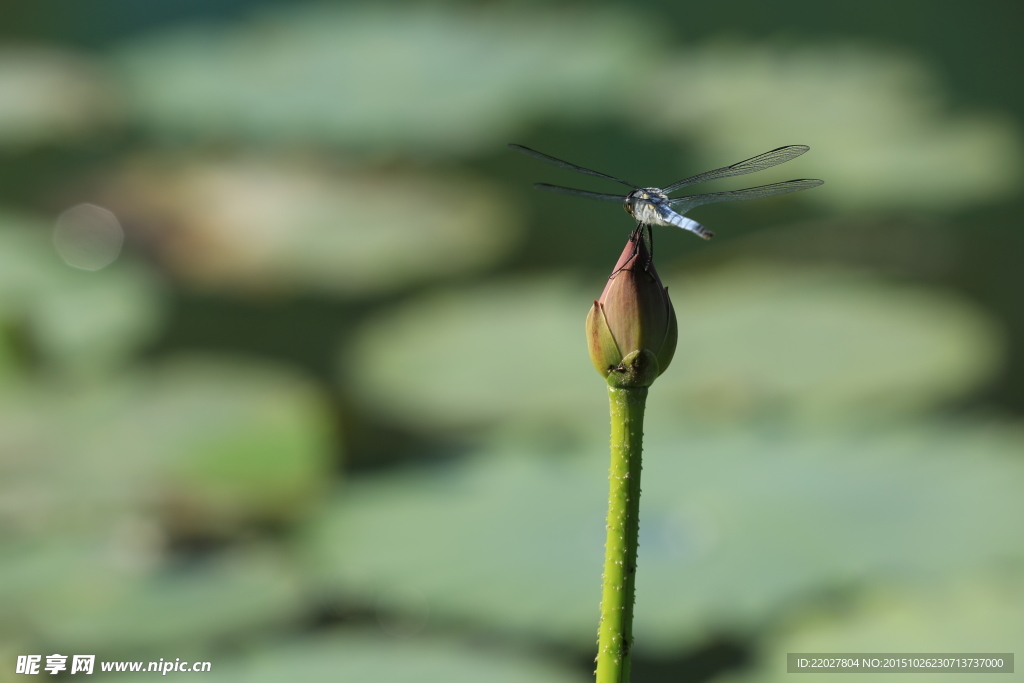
635,237
649,240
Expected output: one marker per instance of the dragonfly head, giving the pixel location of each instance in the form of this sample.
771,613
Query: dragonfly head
630,204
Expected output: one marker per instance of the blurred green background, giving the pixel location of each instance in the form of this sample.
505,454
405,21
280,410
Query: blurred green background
292,368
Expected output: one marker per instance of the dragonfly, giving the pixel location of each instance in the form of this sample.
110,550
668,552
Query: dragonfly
653,206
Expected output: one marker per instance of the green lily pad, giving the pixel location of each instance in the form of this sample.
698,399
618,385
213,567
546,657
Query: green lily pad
359,656
735,526
212,444
263,224
880,132
80,595
976,614
238,442
192,447
64,481
48,94
471,356
79,322
819,344
807,345
429,78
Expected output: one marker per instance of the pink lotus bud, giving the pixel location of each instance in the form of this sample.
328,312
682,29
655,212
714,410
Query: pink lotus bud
633,314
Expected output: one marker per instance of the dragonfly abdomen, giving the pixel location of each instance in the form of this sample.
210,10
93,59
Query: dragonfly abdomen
670,217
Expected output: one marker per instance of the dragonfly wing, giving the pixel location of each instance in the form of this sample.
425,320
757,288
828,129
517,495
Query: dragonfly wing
600,196
775,157
684,204
565,164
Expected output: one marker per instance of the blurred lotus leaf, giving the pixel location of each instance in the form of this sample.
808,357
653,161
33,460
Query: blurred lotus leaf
238,442
753,340
263,224
351,656
818,344
95,478
209,445
477,355
880,130
80,595
49,94
11,359
75,321
983,613
432,78
736,526
59,474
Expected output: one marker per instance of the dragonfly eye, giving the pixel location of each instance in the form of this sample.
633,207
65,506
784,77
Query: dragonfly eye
628,205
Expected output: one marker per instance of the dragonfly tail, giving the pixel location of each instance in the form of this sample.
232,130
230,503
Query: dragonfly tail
692,226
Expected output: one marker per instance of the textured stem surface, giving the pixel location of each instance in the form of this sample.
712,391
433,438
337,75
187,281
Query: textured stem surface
615,634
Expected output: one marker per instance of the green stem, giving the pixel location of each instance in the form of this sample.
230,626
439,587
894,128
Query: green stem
615,634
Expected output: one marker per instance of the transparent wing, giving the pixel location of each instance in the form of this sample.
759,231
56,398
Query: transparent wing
565,164
600,196
751,165
683,204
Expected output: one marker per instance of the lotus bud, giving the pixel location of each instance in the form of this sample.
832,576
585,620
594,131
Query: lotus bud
631,329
